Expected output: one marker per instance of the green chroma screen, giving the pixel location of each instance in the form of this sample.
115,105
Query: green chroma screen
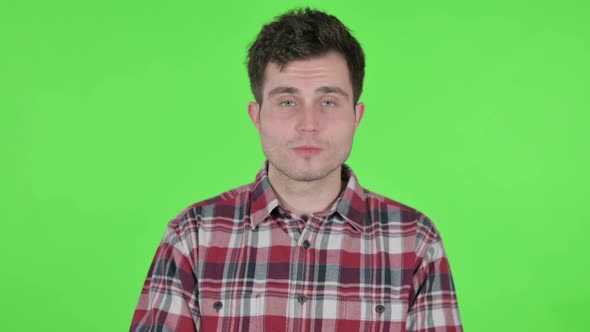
116,115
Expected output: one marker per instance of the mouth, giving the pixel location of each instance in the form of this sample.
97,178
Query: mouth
307,150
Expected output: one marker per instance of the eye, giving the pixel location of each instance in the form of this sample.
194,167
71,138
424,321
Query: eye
288,103
328,103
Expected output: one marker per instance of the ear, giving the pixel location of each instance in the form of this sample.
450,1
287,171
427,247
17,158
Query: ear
359,111
254,112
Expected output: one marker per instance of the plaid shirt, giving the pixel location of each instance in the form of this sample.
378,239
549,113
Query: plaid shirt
241,262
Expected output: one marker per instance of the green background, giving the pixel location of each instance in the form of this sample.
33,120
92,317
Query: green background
116,115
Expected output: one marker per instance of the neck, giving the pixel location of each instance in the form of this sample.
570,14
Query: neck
306,197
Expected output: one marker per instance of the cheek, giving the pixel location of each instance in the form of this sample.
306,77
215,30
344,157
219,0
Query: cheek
275,127
342,130
345,143
271,136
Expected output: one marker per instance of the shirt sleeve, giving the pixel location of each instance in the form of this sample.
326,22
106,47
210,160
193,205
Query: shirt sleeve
168,300
433,306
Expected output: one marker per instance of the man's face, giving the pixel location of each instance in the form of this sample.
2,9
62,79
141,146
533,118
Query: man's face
308,118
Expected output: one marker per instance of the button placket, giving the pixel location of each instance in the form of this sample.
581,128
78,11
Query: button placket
307,232
291,226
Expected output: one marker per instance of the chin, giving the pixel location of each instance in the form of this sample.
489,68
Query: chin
306,177
306,173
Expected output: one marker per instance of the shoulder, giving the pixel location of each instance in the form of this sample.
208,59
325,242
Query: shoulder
230,205
383,211
402,221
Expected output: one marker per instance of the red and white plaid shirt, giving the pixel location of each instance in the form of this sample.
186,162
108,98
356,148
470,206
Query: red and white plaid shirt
241,262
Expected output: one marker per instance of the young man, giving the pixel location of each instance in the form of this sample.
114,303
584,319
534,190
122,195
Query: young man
304,247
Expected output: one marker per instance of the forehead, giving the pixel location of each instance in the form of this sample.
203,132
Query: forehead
329,69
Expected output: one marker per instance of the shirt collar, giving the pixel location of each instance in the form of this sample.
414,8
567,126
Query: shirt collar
350,204
263,199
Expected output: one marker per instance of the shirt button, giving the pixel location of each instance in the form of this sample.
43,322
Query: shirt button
301,299
217,305
380,308
306,244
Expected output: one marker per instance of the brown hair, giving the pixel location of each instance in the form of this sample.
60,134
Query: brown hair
302,34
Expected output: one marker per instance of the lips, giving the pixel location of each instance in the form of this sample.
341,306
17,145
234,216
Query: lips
307,150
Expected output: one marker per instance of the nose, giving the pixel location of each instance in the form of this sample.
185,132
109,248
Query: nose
308,120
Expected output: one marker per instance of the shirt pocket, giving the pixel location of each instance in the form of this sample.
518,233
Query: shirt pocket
230,312
373,314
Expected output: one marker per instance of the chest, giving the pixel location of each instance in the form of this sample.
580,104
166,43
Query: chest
292,274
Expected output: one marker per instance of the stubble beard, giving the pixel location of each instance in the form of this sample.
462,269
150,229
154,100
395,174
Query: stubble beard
304,175
290,171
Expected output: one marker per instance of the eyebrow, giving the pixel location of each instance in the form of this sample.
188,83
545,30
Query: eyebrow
283,89
294,91
332,89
